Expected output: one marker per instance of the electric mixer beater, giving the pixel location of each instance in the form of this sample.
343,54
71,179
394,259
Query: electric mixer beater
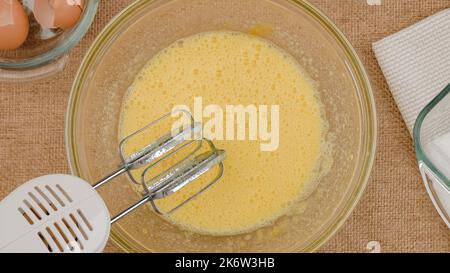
63,213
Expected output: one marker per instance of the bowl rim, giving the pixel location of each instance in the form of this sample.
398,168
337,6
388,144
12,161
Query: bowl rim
369,122
73,37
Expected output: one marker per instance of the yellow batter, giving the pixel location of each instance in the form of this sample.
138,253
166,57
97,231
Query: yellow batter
240,69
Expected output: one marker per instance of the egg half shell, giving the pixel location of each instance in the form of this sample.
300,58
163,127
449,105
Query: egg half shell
58,13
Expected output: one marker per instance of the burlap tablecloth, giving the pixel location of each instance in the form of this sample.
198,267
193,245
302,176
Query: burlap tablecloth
395,210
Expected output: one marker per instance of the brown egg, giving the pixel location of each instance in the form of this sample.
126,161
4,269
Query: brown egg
14,24
58,13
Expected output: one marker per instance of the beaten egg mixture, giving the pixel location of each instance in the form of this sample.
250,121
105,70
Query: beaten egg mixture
239,69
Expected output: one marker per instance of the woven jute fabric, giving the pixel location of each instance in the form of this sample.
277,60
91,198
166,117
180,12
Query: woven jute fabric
395,211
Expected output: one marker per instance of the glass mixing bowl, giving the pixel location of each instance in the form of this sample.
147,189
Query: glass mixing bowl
146,27
431,138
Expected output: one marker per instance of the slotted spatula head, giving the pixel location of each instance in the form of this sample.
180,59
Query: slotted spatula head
54,213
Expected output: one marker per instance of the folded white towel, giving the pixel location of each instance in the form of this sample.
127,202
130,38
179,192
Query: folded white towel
416,63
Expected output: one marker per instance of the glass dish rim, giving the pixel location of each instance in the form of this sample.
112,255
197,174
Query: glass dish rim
420,152
369,122
73,37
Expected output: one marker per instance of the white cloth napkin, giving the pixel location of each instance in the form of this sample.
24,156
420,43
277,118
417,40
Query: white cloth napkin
416,63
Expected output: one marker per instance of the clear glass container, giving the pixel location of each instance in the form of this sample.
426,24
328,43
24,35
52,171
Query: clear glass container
146,27
39,58
432,141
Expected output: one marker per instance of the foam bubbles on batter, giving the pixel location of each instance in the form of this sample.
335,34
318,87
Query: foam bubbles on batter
239,69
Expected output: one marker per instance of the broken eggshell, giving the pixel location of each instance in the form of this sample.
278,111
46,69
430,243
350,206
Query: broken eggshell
57,13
